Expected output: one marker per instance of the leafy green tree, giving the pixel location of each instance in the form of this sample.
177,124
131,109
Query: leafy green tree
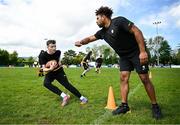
68,58
178,46
30,61
20,61
178,54
88,49
78,58
95,51
176,57
158,47
165,52
4,57
13,58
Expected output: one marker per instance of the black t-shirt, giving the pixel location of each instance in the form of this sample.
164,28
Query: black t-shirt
119,37
45,57
87,57
99,60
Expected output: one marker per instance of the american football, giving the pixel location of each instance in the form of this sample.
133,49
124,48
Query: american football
51,62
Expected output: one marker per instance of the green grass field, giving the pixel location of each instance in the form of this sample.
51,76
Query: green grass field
23,99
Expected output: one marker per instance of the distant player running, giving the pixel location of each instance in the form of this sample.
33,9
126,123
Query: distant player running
55,71
98,64
84,63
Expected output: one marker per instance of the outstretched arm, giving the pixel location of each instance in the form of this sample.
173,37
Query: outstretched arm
140,40
85,41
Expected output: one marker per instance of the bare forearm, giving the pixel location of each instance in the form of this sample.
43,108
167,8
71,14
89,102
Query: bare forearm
85,41
140,40
46,69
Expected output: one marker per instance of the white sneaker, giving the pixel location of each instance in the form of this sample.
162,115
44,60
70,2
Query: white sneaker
84,101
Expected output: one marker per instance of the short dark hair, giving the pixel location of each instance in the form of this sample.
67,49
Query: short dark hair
104,11
50,42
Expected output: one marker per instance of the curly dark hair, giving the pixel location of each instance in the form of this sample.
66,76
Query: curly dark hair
104,11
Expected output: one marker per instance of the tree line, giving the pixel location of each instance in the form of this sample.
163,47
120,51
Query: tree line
155,47
12,59
159,46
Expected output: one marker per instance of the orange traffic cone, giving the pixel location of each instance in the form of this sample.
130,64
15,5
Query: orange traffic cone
111,101
150,75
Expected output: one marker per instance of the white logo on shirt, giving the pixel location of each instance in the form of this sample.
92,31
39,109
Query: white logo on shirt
112,31
143,67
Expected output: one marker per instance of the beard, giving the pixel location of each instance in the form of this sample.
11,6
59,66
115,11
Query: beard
100,25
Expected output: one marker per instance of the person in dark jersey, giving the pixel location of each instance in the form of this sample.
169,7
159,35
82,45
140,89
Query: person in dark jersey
56,72
40,70
85,65
128,42
99,62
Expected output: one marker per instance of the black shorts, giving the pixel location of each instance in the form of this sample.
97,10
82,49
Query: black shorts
85,65
98,65
133,62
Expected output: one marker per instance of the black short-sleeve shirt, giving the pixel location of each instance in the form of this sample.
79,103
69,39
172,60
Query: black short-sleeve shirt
87,57
118,36
45,57
99,60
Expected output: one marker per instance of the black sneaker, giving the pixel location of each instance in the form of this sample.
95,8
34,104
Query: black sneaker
81,76
122,109
156,112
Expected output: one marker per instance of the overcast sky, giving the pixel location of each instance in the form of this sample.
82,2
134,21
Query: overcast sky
25,24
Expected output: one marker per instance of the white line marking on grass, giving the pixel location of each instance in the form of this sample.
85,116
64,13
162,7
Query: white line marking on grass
108,113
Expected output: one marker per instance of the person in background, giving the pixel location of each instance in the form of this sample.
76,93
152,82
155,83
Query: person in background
85,65
99,62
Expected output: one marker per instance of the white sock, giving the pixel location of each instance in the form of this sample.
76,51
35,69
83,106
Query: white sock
63,95
85,71
82,97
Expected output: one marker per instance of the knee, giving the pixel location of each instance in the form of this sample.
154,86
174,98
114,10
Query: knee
124,78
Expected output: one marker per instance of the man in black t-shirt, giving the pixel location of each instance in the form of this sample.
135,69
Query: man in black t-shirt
56,72
128,42
99,61
84,63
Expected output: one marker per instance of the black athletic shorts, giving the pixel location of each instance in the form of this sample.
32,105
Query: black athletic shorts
133,62
98,65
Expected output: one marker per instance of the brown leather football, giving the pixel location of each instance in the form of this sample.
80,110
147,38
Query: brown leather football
51,62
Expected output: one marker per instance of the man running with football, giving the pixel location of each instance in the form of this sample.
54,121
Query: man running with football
50,61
